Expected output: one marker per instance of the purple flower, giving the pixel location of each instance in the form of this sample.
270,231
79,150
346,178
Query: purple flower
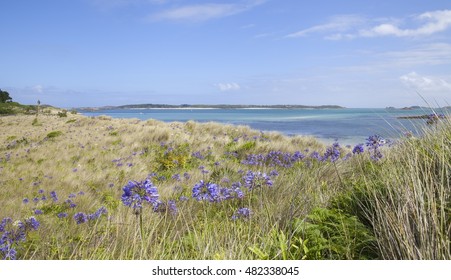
62,215
29,224
254,180
176,177
332,153
38,212
137,192
101,211
206,191
374,143
358,149
25,200
53,196
243,213
80,218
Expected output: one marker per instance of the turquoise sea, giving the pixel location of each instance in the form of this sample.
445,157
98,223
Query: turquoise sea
348,126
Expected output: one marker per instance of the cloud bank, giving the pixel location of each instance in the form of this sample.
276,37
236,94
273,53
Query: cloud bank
355,26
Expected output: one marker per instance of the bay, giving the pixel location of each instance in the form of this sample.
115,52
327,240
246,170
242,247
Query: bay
348,126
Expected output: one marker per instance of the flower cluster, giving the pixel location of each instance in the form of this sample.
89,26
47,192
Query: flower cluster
215,193
135,193
358,149
374,143
257,179
243,213
82,218
273,158
332,153
14,234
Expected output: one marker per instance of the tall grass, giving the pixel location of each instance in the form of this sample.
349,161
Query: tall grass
397,207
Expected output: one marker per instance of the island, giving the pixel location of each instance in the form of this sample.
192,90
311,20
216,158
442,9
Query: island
203,106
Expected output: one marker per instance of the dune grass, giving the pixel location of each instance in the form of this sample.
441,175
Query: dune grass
261,195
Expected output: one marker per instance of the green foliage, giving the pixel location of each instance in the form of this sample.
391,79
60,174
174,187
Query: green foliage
334,235
4,97
240,150
54,134
54,208
62,114
176,156
325,234
110,200
35,122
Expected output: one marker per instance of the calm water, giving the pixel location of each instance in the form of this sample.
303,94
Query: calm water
349,126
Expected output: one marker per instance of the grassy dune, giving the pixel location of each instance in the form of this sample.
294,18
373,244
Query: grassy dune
224,192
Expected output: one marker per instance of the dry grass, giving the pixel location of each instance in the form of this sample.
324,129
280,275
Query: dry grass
402,200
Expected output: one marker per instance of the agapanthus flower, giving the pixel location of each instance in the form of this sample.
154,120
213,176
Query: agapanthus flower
80,218
8,252
53,196
25,200
101,211
206,191
358,149
4,222
62,215
176,177
374,143
137,192
29,224
38,212
332,153
243,213
254,180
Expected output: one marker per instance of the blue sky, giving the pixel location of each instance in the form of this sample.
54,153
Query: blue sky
72,53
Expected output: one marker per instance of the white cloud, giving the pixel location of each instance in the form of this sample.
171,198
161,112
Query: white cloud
354,26
434,22
424,83
203,12
339,23
228,86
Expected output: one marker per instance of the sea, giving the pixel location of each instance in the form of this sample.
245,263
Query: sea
347,126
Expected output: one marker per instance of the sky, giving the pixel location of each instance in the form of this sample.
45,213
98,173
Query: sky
352,53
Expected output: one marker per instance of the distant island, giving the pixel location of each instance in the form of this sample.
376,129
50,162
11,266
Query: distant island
204,106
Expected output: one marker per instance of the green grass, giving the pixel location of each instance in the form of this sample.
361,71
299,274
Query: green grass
395,208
